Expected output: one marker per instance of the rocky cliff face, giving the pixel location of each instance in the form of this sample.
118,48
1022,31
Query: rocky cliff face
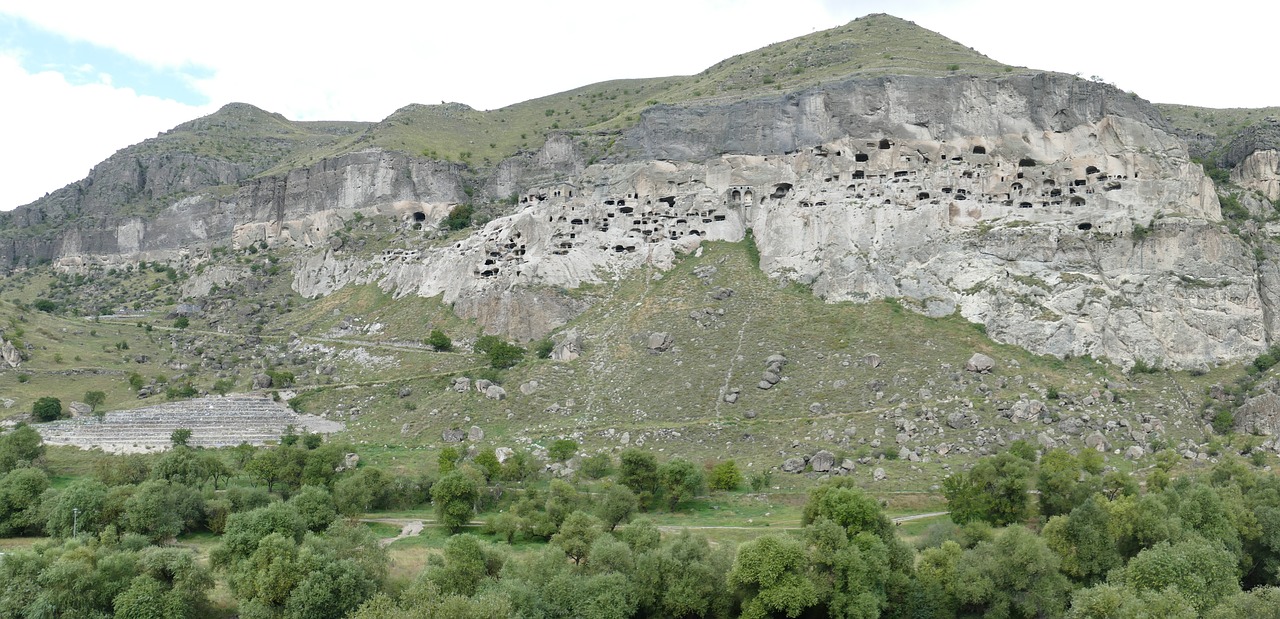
1059,213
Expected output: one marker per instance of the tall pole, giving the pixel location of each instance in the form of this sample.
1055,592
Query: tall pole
75,521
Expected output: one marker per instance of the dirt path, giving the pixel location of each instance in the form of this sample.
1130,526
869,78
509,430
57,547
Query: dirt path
410,527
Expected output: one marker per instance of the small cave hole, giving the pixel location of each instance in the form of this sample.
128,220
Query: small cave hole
1077,201
860,157
1084,226
979,150
419,216
1091,170
883,145
780,190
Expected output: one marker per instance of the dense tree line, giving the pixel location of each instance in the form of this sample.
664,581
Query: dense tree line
1088,544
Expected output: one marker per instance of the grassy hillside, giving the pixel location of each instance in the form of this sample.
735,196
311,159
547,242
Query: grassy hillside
870,46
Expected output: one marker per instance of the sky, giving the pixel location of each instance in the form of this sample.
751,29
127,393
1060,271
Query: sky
83,79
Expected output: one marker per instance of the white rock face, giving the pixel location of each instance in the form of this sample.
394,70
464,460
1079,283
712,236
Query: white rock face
1260,171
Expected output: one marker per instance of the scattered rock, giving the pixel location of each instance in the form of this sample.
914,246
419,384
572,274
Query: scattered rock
475,434
405,392
721,294
79,409
872,360
495,392
980,363
878,474
529,388
503,453
453,436
793,465
1134,453
261,381
461,384
956,420
349,463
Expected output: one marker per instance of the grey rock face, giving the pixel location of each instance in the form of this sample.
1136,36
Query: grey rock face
568,347
9,354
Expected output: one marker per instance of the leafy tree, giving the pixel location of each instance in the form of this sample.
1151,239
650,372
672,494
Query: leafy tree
182,322
448,459
47,408
136,381
578,532
995,490
277,466
597,465
314,505
180,437
161,510
487,462
95,398
770,574
843,503
467,561
680,480
20,492
365,490
1111,601
1060,484
562,449
459,217
439,341
21,446
543,348
639,472
1016,575
725,476
616,506
1083,540
44,305
1200,570
78,508
454,497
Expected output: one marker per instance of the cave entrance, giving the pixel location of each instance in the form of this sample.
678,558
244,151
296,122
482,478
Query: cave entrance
419,216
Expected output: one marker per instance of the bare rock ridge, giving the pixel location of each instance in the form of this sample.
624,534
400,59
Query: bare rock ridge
1062,214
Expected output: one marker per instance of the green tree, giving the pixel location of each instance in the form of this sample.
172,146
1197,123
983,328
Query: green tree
1062,482
161,510
1083,540
578,532
21,446
182,322
1200,570
448,459
459,217
315,506
680,480
454,497
995,490
638,471
616,506
47,408
597,465
1016,575
725,476
95,398
562,449
769,572
439,341
180,437
20,505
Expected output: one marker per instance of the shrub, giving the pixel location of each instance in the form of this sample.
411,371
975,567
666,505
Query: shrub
562,450
543,348
725,476
439,341
459,217
47,408
44,305
1223,422
95,398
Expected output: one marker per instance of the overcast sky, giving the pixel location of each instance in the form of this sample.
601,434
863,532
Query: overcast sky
82,79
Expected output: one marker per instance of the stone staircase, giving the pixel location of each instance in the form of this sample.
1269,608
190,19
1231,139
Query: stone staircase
213,421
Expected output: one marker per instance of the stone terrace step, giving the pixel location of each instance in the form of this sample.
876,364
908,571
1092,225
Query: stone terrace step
213,421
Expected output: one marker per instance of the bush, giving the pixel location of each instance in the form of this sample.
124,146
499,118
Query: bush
502,355
459,217
95,398
562,450
182,322
543,348
45,305
439,341
725,476
47,408
1223,422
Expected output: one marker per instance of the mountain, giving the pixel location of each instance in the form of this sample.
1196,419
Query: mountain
874,160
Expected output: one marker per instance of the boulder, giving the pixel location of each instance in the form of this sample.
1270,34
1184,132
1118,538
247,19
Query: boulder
495,392
878,474
823,461
261,381
503,453
79,409
872,360
1134,453
1097,442
483,385
847,464
475,434
461,384
349,463
777,360
764,384
405,392
660,341
956,420
569,346
453,436
12,357
793,465
980,363
770,377
529,388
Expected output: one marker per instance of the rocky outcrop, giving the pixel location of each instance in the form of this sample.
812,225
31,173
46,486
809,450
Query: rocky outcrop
1259,171
10,354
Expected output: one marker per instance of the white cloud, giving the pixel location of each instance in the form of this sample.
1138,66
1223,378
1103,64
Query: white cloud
55,131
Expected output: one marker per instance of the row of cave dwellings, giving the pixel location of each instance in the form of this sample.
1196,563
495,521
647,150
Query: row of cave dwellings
1024,185
650,220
